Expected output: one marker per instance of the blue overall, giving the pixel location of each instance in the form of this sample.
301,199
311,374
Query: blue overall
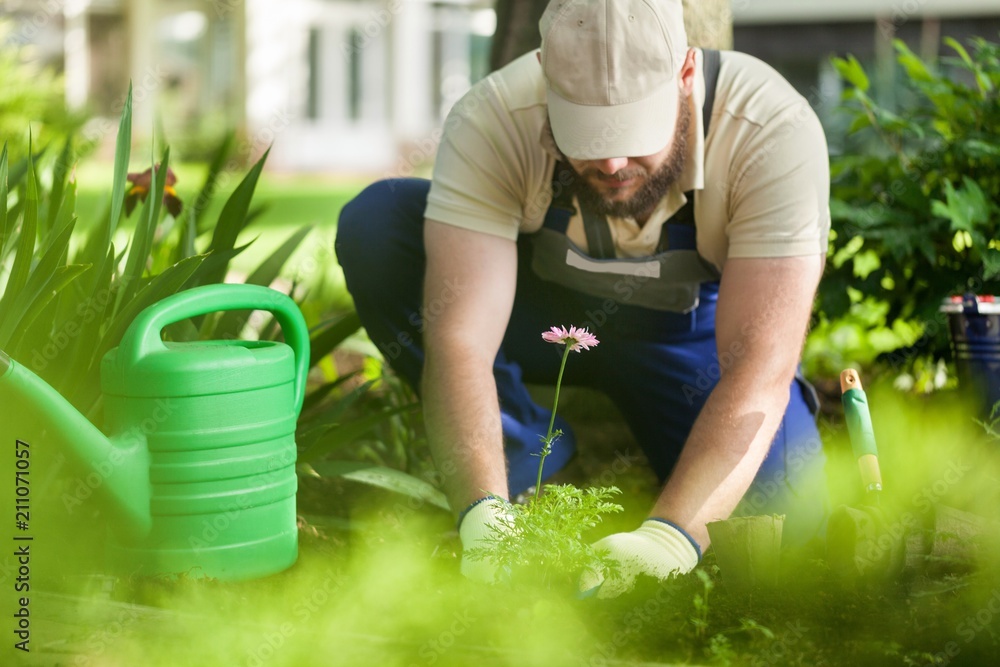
657,367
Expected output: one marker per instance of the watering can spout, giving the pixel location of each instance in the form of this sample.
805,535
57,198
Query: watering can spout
117,467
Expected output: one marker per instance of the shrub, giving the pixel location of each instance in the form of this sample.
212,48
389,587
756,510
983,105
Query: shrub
917,219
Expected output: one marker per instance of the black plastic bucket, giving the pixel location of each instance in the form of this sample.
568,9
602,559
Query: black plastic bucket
974,323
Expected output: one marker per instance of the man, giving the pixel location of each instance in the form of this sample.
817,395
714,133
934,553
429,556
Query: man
673,200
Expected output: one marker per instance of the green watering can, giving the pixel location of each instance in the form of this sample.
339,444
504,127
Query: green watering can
199,460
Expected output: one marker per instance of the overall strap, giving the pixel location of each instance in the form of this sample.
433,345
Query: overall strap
600,245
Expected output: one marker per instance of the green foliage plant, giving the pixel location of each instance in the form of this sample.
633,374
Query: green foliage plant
68,291
916,213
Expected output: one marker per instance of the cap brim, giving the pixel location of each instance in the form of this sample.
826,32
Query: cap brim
594,132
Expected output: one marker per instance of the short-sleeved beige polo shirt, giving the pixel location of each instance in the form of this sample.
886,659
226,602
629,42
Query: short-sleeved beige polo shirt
760,178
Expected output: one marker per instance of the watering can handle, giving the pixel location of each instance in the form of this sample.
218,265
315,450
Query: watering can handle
143,335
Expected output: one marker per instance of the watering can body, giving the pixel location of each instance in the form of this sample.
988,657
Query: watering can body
199,458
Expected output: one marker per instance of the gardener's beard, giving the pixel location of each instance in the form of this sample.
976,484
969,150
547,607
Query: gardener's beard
595,191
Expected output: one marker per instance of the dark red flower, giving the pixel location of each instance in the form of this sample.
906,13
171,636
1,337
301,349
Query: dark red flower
142,183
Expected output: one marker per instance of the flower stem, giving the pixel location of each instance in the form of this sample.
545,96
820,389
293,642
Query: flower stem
547,447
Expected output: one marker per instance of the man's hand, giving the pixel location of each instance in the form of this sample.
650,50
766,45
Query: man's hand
482,521
657,548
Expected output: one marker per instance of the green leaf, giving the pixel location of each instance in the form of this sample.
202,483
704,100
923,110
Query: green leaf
270,268
860,122
233,218
101,238
966,208
208,188
59,176
991,263
340,436
232,321
25,247
308,431
978,149
214,261
94,298
384,478
123,151
960,50
6,224
915,68
57,280
852,71
319,393
167,283
865,262
19,171
327,336
191,225
66,217
36,285
142,237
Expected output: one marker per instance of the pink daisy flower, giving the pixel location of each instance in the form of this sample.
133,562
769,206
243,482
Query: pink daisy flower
576,339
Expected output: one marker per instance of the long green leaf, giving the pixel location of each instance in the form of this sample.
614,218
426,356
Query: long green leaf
329,335
142,237
208,188
163,285
319,393
57,281
233,217
86,393
339,436
265,274
19,170
383,478
35,287
26,246
94,298
191,225
104,231
213,260
851,70
123,152
331,417
5,230
67,212
270,268
59,176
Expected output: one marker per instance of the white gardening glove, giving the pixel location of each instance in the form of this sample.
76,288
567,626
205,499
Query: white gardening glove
656,548
476,526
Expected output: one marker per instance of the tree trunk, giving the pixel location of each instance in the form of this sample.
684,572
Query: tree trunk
709,24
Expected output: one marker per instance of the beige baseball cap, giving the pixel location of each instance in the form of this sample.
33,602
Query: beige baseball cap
611,70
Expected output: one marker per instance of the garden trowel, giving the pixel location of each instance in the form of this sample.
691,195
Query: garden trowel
864,541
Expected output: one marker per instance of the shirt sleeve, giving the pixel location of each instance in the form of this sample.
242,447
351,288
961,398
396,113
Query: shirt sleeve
475,183
780,205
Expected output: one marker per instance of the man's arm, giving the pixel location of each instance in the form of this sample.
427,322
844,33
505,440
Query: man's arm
761,320
468,296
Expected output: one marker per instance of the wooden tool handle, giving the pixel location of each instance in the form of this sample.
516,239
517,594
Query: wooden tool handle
850,379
